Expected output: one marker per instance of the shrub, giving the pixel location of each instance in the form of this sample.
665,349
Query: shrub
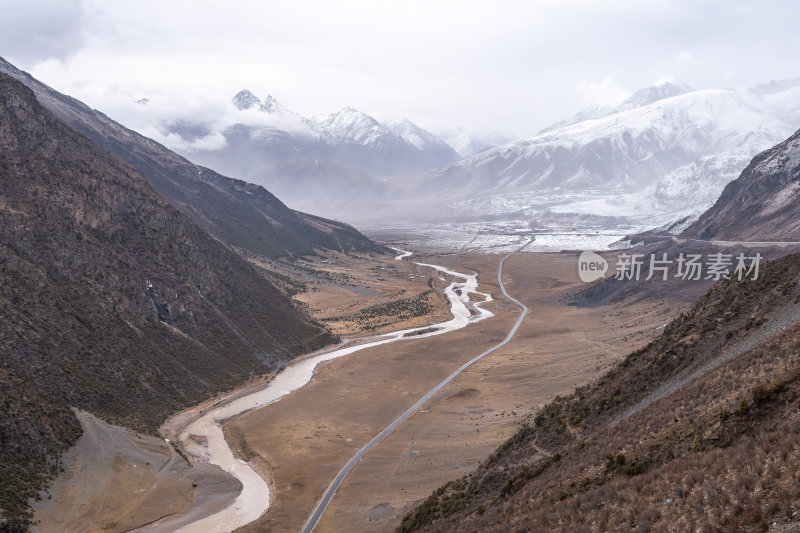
744,407
764,392
618,459
635,468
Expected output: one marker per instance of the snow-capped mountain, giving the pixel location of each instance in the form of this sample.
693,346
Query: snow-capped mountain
666,151
244,99
665,88
422,139
783,95
265,135
400,140
468,143
356,126
684,192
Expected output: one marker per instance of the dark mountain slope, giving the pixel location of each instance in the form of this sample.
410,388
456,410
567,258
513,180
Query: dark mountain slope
239,213
762,204
697,431
111,300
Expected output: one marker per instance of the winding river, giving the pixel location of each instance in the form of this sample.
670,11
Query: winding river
204,440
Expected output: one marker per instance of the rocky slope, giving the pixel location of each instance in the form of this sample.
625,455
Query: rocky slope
762,204
696,431
111,299
240,214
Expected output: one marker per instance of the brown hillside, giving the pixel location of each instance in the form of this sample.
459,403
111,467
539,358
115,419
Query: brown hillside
111,300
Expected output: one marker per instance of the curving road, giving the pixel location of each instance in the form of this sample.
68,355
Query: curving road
337,481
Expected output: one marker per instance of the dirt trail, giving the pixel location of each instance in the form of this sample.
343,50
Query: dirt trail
789,317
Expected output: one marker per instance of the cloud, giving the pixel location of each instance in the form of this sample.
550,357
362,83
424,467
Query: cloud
604,92
37,30
255,118
512,65
172,140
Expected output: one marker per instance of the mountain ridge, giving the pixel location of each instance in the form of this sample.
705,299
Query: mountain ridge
642,97
761,204
112,300
348,137
646,164
243,215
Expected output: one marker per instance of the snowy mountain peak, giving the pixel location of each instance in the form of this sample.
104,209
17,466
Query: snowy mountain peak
271,105
467,143
672,81
353,124
244,99
413,134
665,88
402,124
349,117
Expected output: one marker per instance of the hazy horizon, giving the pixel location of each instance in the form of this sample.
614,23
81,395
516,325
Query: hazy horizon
511,67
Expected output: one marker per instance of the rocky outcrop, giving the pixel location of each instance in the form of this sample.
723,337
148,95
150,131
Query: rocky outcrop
762,204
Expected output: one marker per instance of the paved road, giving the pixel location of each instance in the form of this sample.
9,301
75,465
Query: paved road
331,490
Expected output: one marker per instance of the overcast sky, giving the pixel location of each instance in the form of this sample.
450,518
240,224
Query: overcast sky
509,66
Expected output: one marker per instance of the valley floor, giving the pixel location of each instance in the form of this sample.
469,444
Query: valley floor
307,437
303,440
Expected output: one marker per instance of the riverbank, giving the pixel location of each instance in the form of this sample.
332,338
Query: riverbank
307,437
303,440
116,480
203,438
